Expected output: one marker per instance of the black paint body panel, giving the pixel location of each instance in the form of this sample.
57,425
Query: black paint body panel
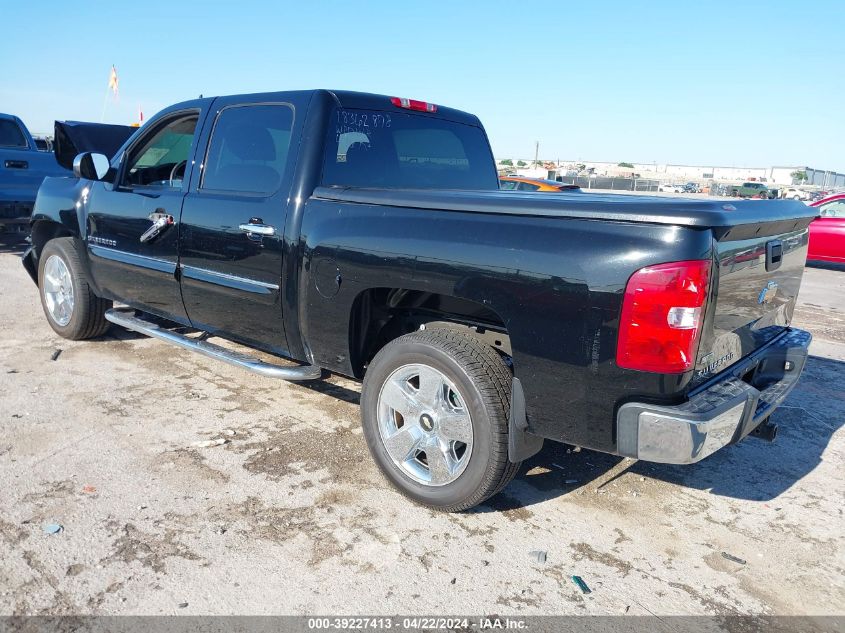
556,284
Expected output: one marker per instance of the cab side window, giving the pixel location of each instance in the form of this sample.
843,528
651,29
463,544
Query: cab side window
160,159
11,135
835,209
507,185
527,186
249,149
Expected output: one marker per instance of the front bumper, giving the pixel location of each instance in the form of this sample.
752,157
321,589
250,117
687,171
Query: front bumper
723,413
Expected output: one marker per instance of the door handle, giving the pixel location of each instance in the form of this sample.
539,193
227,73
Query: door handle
161,221
256,227
16,164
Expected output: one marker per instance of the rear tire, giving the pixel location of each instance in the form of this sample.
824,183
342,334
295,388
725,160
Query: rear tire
409,439
72,309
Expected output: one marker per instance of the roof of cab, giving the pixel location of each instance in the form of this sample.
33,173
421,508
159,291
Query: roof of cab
347,99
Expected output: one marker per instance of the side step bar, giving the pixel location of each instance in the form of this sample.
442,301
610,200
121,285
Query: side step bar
125,317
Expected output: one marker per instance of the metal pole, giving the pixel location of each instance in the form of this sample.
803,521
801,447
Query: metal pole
105,103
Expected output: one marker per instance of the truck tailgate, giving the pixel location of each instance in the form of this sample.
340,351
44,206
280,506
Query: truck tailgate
758,272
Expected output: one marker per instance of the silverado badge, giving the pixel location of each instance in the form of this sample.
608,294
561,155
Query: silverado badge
767,294
711,363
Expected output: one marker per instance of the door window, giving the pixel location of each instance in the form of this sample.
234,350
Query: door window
160,159
249,149
835,209
527,186
507,185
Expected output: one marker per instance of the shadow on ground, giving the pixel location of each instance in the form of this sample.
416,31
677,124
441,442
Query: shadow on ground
327,386
332,389
826,265
752,470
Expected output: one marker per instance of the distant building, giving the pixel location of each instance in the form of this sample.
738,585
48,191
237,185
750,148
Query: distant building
666,172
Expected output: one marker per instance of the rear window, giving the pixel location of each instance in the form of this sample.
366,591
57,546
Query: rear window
372,148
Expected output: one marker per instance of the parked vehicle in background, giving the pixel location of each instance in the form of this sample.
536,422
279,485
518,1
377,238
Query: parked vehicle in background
793,193
671,188
367,235
73,137
750,190
22,169
692,187
827,232
521,183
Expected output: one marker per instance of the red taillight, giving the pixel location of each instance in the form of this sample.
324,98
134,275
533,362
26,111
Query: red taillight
413,104
661,317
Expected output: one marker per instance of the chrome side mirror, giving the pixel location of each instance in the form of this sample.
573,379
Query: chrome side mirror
90,166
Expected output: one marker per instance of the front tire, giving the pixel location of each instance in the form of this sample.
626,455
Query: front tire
434,408
72,309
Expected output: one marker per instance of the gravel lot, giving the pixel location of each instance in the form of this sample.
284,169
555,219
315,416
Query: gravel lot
290,516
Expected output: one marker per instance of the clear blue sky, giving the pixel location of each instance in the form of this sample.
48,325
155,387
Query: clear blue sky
728,83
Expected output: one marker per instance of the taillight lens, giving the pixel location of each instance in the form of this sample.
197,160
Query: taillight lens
661,317
413,104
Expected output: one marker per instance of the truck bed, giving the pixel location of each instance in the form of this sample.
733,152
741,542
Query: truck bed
558,256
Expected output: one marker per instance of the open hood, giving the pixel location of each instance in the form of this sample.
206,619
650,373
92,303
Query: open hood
74,137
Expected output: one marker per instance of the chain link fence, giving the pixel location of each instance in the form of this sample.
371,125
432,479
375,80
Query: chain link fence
615,184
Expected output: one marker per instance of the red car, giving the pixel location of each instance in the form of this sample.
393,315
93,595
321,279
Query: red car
827,233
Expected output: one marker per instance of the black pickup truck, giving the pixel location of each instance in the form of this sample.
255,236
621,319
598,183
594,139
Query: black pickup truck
365,235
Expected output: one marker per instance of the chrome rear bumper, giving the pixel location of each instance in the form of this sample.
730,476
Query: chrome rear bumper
721,414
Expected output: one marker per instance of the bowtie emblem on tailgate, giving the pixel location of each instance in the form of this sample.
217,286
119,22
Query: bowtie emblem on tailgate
768,293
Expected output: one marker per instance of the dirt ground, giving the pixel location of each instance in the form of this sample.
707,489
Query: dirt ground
291,516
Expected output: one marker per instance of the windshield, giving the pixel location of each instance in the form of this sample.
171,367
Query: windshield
371,148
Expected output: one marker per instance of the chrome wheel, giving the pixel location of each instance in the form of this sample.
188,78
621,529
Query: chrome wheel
58,290
424,425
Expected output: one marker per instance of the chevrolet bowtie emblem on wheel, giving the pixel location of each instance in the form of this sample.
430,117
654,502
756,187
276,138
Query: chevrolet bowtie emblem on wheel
768,293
